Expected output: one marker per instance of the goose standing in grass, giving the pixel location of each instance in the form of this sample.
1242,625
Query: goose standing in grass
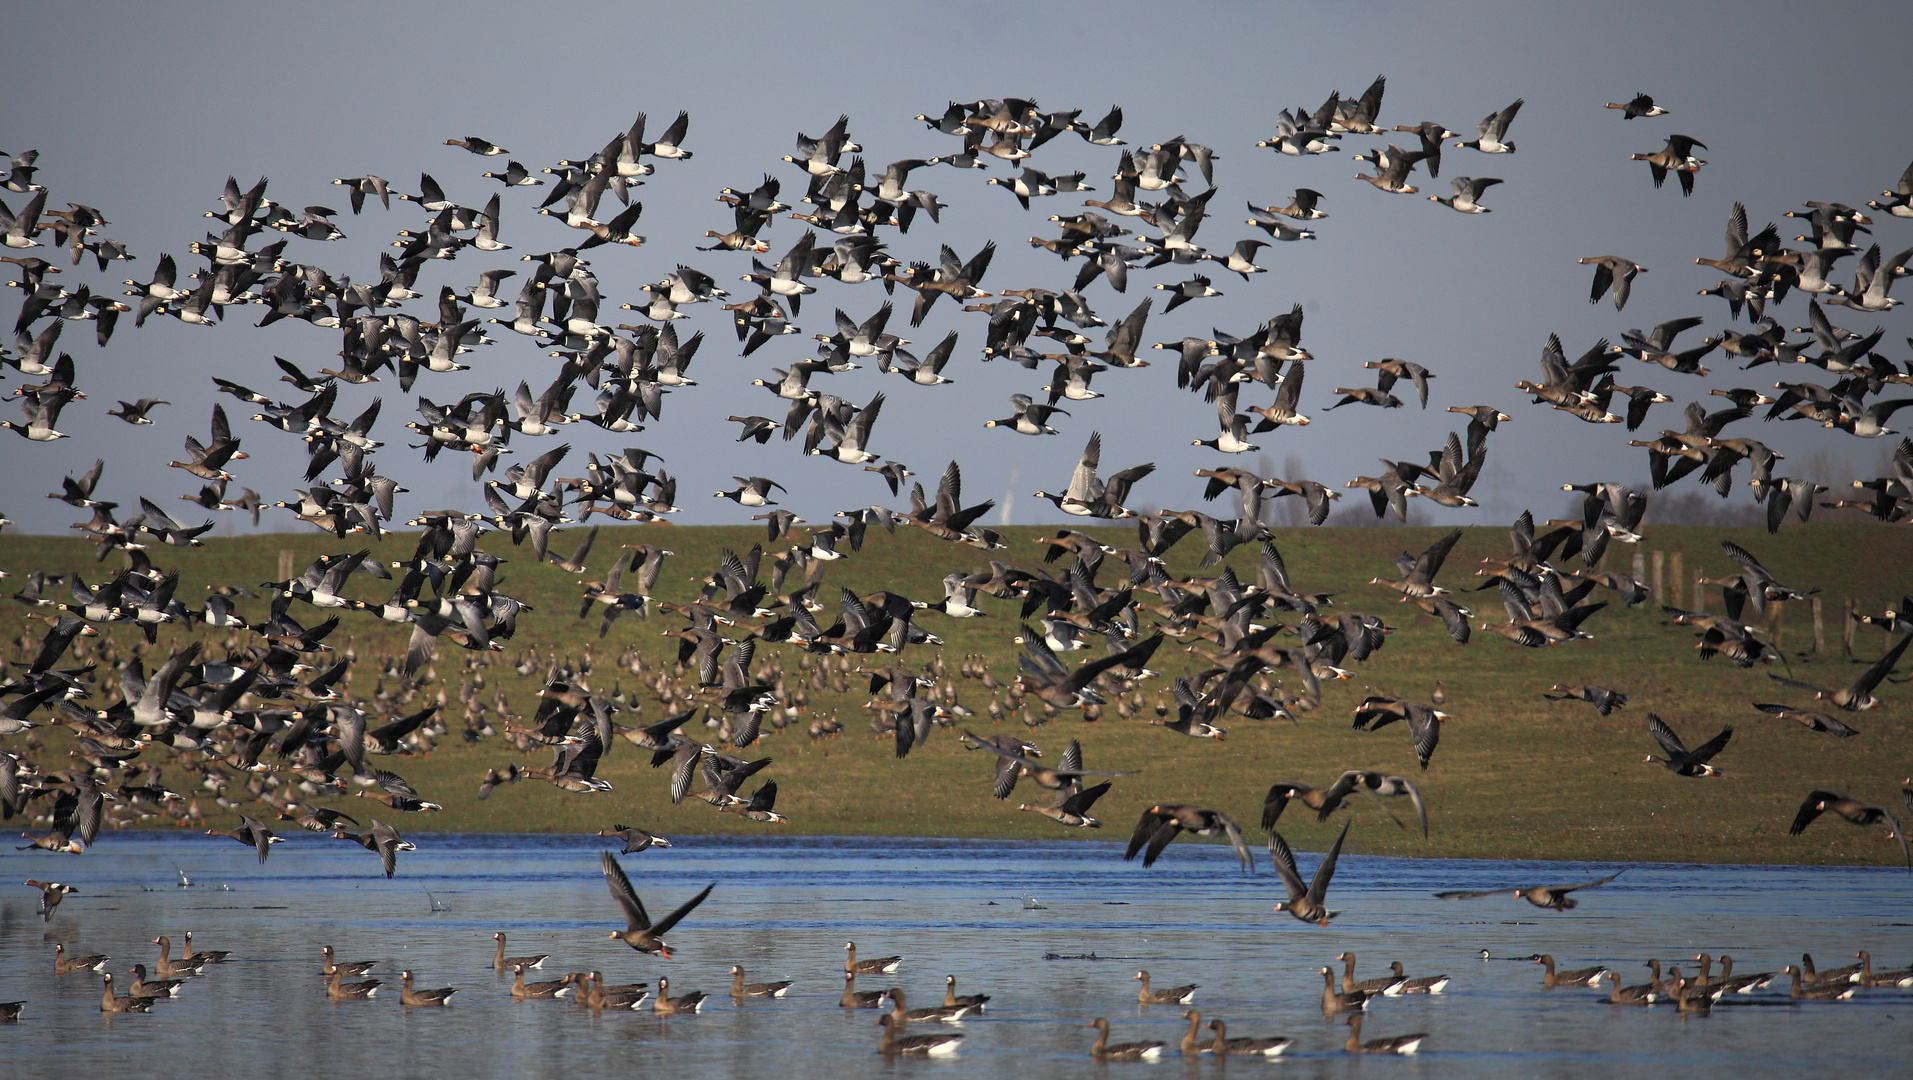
1306,902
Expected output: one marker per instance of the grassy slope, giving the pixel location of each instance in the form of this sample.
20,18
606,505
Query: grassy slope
1515,776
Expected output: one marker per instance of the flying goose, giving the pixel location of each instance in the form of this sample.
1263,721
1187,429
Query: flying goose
1467,197
1027,417
1812,721
1604,700
1820,800
1162,823
640,932
1553,897
636,839
1377,711
1305,902
1679,760
1492,134
1611,272
1638,105
1677,157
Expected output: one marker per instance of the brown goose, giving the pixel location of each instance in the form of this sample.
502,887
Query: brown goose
549,989
1870,977
640,932
1104,1050
858,999
337,989
1165,821
1858,695
612,996
1820,800
51,893
1554,897
902,1014
409,996
741,990
951,998
1421,984
1840,991
10,1011
1589,976
1742,984
1846,974
666,1005
166,967
1172,995
113,1003
1337,1001
1192,1044
1368,986
1629,995
349,969
1306,903
1223,1046
937,1044
142,987
1399,1044
881,965
501,962
67,965
210,956
1324,801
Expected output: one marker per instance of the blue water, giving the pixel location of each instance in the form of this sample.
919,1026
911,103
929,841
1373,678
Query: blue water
784,908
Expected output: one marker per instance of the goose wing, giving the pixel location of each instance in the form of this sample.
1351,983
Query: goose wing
1325,871
627,897
664,925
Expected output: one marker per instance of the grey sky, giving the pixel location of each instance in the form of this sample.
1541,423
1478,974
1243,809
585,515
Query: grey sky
143,110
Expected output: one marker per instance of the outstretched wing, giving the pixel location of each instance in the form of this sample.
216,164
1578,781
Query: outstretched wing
1325,872
664,925
1284,862
1670,742
626,896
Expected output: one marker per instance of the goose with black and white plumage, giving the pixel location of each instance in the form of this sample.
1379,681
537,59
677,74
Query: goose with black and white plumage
1638,105
1028,417
1492,134
1676,157
1467,196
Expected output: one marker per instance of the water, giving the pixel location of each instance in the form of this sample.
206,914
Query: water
784,908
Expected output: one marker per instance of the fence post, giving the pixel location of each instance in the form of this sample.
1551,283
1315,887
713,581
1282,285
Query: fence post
1776,612
1660,594
1640,564
1698,606
1819,632
1846,628
285,564
1677,576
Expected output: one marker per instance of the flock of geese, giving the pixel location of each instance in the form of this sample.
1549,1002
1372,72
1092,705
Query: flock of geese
272,717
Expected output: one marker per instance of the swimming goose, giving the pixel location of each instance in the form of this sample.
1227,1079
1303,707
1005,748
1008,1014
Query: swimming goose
1340,1001
409,996
522,990
1421,984
1678,157
502,963
854,998
937,1044
880,965
336,989
1104,1050
1223,1046
1643,994
1638,105
67,965
209,956
952,999
1820,991
1611,271
1399,1044
741,990
142,987
1192,1045
1381,985
1740,984
1553,897
1844,974
1492,134
1821,800
1170,995
901,1013
666,1005
1590,976
349,968
114,1003
1467,197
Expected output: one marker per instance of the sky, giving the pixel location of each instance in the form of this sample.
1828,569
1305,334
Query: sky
153,106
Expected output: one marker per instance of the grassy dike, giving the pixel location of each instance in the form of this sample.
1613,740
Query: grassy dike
1515,776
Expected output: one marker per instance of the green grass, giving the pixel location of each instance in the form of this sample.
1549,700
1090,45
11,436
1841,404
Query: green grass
1515,776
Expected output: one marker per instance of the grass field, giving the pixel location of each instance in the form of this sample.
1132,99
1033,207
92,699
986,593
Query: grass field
1515,776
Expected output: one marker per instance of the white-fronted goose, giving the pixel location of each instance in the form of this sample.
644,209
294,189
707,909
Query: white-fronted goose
1731,983
635,839
1676,157
114,1003
1377,711
1840,991
1844,974
614,996
1165,821
1611,272
741,990
938,1044
1638,105
879,965
1679,760
1192,1044
143,987
1589,976
209,956
349,969
1642,994
1223,1046
640,932
337,989
854,998
901,1013
1399,1044
1104,1050
1368,986
10,1011
1421,984
1337,1001
551,988
1553,897
1306,903
67,965
1605,701
166,967
1869,977
1821,800
1858,695
1170,995
951,998
409,997
51,893
666,1005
